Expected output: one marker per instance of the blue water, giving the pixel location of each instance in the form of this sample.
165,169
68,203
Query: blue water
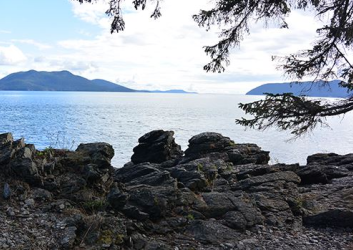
65,119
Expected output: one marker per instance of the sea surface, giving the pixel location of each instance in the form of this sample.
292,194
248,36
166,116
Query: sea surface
66,119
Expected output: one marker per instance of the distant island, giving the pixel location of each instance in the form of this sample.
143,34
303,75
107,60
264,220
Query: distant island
332,89
33,80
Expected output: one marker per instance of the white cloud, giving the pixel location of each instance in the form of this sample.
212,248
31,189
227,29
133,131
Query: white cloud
11,55
91,13
39,45
167,53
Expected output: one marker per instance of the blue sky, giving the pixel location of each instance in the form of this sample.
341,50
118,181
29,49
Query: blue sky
164,54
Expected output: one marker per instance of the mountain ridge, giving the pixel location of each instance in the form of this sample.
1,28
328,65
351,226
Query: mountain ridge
64,80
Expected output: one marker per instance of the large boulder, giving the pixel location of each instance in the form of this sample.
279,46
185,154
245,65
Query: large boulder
100,153
156,147
210,143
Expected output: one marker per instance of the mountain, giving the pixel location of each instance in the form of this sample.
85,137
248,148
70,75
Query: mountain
56,81
333,89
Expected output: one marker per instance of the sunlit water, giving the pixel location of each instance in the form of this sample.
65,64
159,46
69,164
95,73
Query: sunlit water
65,119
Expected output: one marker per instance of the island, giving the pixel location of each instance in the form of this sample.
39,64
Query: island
33,80
318,89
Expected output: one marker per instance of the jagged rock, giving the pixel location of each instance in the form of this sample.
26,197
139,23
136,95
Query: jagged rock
220,195
331,159
156,147
331,218
248,153
7,191
212,232
6,138
132,172
116,198
27,169
313,174
68,237
247,171
156,201
208,143
6,149
41,194
100,153
193,180
286,176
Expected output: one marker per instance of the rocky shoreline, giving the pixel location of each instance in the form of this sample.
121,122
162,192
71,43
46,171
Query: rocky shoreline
216,195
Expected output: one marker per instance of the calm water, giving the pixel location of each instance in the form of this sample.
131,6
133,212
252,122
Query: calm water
65,119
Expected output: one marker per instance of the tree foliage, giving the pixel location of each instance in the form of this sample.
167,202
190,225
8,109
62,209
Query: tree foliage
115,11
327,59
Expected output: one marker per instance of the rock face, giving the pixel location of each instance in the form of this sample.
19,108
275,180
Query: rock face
156,147
219,195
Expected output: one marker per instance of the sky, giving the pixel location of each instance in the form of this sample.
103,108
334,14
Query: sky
149,54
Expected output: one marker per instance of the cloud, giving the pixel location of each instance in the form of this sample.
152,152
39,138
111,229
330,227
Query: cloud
11,55
40,46
168,53
5,32
92,13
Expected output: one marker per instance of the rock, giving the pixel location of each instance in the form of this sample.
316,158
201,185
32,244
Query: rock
155,201
68,237
313,174
132,172
208,143
331,218
212,232
116,198
27,169
156,147
100,153
193,180
7,191
248,153
205,143
30,202
287,176
6,138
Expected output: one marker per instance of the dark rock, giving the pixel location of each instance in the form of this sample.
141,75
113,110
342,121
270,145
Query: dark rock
313,174
194,180
331,218
116,198
132,172
135,213
42,194
212,232
248,153
287,176
206,143
156,147
7,191
94,173
6,138
68,238
25,168
100,153
155,201
331,159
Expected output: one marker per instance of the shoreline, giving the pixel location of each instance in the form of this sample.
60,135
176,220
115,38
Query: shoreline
215,195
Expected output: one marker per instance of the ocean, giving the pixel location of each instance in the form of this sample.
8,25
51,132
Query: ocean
66,119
